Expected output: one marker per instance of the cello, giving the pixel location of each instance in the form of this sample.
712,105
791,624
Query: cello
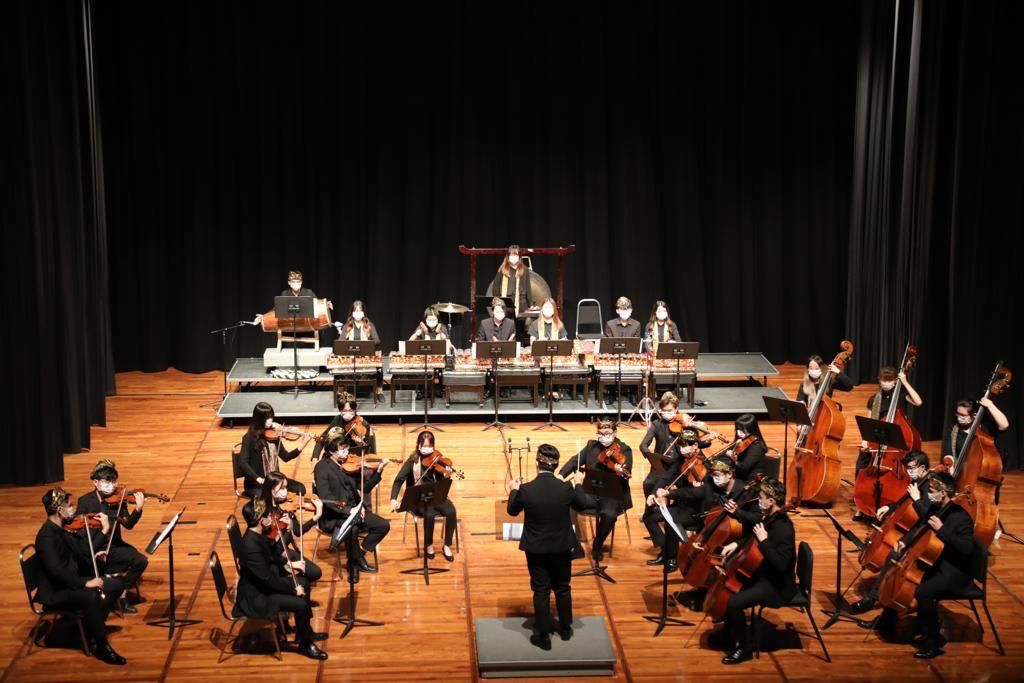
885,480
813,476
979,466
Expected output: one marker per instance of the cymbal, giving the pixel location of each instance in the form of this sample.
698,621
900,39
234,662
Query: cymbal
449,308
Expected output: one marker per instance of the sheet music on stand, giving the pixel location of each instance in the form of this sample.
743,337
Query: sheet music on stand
161,536
353,516
667,516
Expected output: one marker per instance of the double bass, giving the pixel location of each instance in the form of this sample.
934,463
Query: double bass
979,466
813,476
885,479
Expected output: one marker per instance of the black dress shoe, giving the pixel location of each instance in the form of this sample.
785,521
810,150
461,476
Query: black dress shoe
660,559
430,554
739,655
541,640
861,606
365,566
105,653
929,650
308,649
318,635
448,554
565,633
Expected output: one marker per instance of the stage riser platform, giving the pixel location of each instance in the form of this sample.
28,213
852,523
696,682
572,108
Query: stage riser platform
504,650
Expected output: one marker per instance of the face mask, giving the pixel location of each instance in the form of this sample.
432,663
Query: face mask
432,323
668,415
296,286
268,423
740,434
499,314
342,454
887,386
107,487
662,314
605,439
347,416
963,420
915,474
426,450
68,512
935,498
281,495
814,374
719,480
625,314
513,259
548,310
765,505
357,315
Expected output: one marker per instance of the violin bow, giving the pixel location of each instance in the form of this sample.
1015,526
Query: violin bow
117,519
92,552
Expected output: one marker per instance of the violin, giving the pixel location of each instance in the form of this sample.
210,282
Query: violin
678,423
276,432
128,495
357,430
273,532
79,522
291,503
354,462
440,464
612,456
737,447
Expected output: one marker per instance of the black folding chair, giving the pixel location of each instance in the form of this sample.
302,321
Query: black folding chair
801,601
30,569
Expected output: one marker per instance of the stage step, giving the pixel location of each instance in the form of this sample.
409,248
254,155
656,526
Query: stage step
504,650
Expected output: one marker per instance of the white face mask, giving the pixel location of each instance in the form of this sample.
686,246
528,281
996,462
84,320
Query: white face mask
814,373
606,439
548,310
719,479
963,420
357,315
765,505
426,450
343,453
668,415
499,314
934,497
740,434
626,314
347,416
107,487
281,494
917,473
887,386
662,314
513,259
67,513
296,286
268,423
431,323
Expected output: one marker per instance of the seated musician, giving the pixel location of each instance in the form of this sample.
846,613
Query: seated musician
750,455
774,582
342,492
64,583
121,556
265,588
273,494
498,327
660,327
812,380
548,326
994,422
350,425
359,327
430,327
624,324
412,474
919,492
688,442
881,401
513,280
665,461
607,509
262,454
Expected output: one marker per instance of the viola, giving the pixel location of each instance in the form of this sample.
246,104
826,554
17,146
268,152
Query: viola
441,464
128,495
612,456
813,475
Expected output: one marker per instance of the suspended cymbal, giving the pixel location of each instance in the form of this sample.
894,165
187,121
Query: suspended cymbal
449,308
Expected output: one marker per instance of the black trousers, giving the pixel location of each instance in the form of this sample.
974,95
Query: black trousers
447,509
669,543
608,512
375,526
550,572
761,592
312,574
125,558
280,602
93,607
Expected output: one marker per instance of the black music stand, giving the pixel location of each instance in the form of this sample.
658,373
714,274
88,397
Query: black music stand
618,346
494,351
679,351
292,308
170,621
354,348
416,498
550,349
600,484
426,347
663,619
348,534
786,411
837,613
883,433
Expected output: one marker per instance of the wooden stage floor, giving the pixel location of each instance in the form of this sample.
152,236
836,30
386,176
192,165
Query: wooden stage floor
164,441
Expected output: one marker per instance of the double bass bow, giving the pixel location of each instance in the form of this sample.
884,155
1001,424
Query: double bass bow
813,475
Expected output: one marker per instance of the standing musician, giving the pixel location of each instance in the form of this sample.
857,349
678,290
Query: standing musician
918,491
660,327
624,324
513,280
773,584
750,453
880,402
63,582
412,473
549,541
118,555
994,422
264,589
294,288
263,450
812,380
333,484
497,328
430,327
589,458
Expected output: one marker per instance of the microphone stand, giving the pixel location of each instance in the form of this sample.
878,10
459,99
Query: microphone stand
223,332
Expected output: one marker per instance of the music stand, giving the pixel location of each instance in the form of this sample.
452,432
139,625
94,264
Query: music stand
618,346
494,351
346,534
293,308
426,347
170,621
417,497
679,351
550,349
663,620
837,613
786,411
885,434
600,484
354,348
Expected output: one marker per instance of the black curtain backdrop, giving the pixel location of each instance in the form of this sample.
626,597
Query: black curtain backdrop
699,154
56,344
936,238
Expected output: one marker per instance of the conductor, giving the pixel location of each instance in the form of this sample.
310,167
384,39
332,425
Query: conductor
549,542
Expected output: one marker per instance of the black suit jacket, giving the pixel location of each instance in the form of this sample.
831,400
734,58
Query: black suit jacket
65,563
262,575
506,331
334,485
587,458
91,502
779,551
547,526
